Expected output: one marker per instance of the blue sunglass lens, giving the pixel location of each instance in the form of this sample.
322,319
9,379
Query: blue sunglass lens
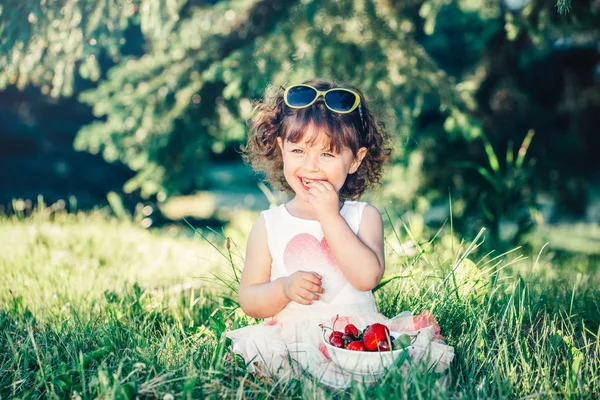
340,100
299,96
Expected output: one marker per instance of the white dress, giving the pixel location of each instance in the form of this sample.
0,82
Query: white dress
291,341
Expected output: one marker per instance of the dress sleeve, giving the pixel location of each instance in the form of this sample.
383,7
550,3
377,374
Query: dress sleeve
269,217
353,214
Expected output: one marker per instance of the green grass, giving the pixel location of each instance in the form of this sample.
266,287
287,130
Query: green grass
96,307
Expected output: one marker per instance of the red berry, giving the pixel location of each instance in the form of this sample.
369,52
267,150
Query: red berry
348,338
351,329
375,334
335,333
337,341
384,345
356,346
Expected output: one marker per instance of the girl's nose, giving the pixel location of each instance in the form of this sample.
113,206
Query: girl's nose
311,163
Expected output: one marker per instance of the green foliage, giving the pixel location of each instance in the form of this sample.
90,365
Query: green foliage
165,110
169,109
563,6
163,113
172,82
48,44
508,195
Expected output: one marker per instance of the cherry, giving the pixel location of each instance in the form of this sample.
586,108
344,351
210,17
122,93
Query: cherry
348,338
351,330
384,345
335,333
337,341
356,346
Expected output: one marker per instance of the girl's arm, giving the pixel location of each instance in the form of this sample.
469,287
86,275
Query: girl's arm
360,257
260,297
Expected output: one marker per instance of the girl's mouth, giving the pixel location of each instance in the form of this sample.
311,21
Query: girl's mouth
305,182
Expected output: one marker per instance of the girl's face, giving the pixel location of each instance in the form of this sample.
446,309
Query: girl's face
312,160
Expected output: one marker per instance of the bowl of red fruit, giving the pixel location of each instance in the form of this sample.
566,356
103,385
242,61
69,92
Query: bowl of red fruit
370,351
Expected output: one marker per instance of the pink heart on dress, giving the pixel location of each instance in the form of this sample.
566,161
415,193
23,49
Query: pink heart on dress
304,252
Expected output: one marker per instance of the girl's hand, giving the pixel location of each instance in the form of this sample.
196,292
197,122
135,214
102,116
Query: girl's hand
303,287
324,199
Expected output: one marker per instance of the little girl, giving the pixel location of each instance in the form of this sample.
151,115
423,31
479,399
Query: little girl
319,255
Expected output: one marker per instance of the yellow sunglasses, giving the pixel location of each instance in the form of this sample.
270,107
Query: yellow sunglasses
339,100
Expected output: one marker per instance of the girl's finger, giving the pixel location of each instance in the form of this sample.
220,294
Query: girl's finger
314,285
312,194
308,295
320,185
302,300
326,185
313,277
314,191
311,287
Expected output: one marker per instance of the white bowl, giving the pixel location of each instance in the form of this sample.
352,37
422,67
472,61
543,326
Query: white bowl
364,362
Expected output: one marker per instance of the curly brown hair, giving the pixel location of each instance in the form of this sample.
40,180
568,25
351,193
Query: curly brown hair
274,119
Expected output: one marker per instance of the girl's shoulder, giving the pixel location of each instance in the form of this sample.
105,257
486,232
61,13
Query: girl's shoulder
274,212
277,216
354,206
354,211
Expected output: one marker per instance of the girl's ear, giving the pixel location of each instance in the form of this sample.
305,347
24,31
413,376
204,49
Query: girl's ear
280,143
360,154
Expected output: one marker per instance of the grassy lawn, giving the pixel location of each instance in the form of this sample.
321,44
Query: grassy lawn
94,307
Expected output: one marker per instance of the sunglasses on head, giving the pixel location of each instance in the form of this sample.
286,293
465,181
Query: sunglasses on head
339,100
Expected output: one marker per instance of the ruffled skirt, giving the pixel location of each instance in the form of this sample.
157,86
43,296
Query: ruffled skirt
291,342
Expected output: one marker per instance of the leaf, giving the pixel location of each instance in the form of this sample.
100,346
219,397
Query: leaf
96,355
509,153
188,387
492,158
563,6
496,184
116,205
524,147
217,323
387,280
126,391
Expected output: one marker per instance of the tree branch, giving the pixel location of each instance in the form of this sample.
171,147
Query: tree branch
257,21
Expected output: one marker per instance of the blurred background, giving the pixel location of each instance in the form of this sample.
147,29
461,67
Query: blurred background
140,107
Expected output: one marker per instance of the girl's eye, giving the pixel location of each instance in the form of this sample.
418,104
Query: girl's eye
328,155
298,151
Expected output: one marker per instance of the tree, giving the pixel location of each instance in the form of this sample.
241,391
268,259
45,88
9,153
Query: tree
173,81
163,111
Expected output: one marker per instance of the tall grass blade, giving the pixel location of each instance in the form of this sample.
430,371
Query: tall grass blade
491,155
523,149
